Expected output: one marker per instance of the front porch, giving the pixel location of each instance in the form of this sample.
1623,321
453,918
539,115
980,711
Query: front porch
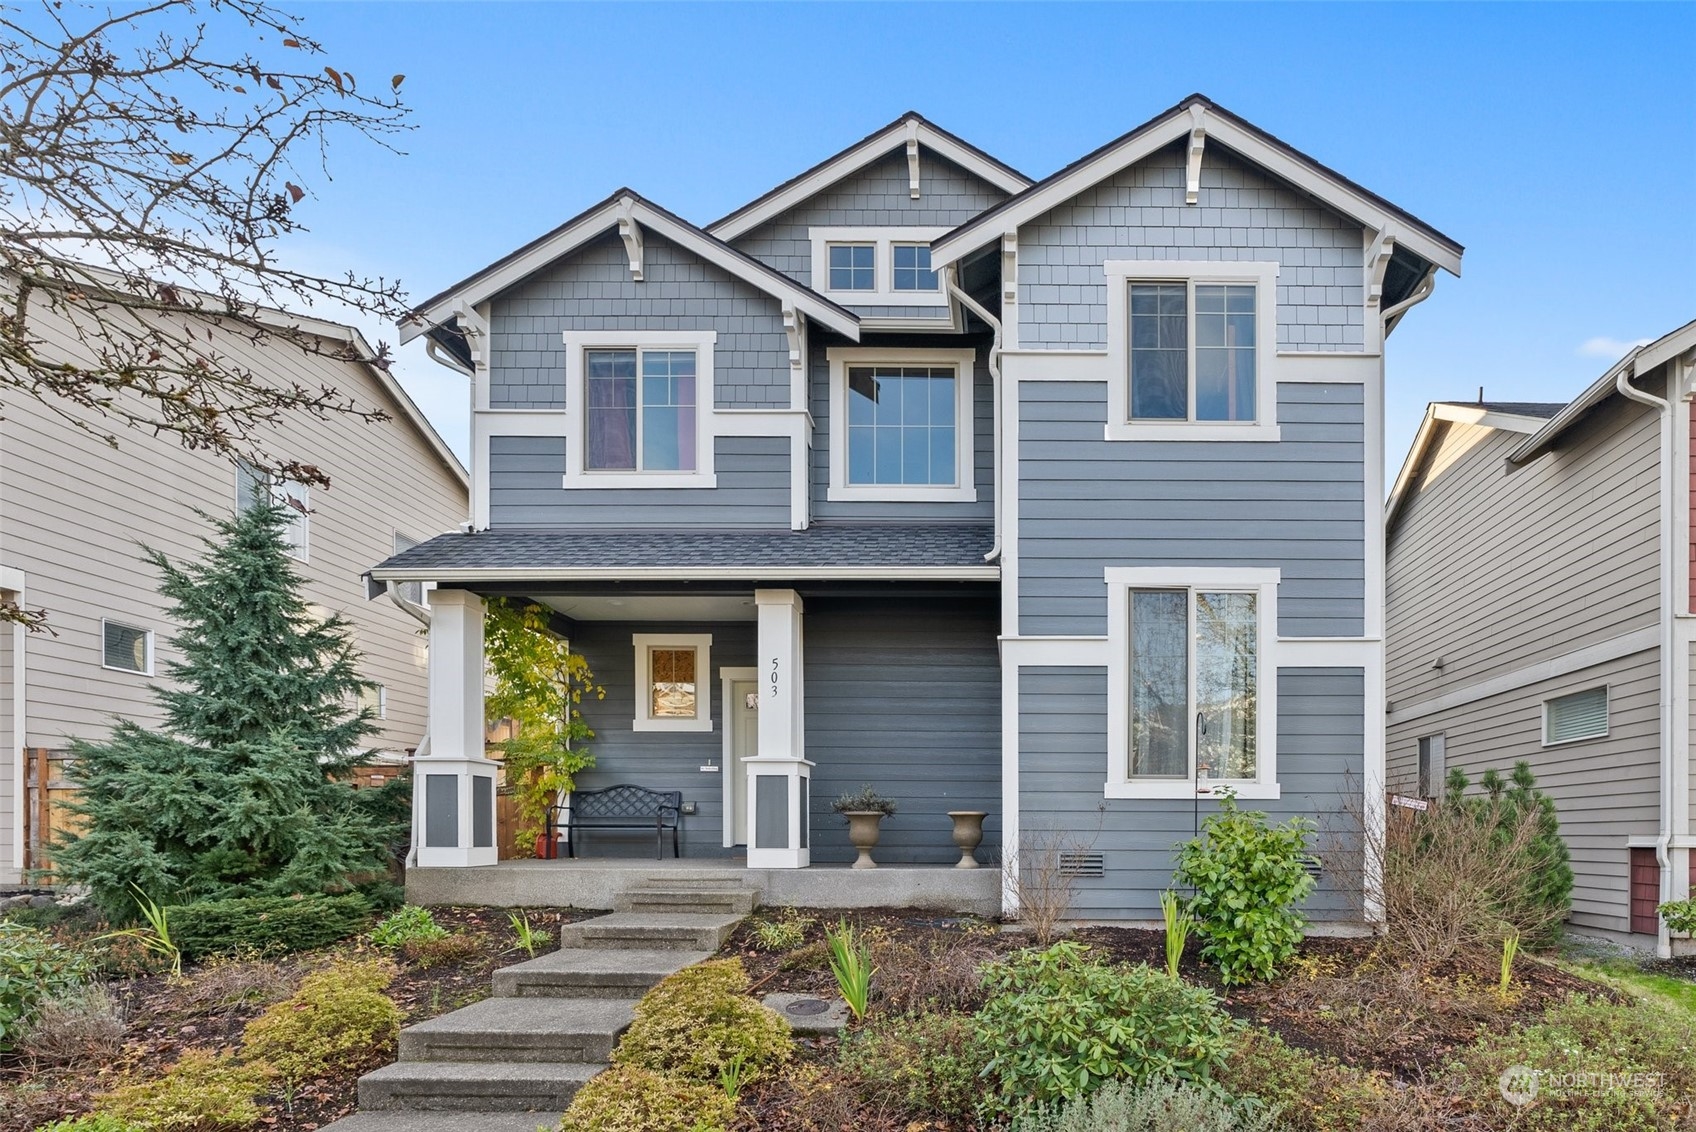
596,884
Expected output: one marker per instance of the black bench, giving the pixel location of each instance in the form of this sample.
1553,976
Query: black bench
625,806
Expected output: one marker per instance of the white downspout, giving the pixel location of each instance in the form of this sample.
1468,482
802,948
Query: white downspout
1669,640
994,363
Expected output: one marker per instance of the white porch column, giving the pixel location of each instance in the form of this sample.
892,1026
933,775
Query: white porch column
453,784
779,777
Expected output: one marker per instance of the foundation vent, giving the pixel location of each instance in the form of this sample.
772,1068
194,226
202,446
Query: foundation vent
1082,864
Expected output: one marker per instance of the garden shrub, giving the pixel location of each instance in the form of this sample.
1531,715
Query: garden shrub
696,1022
266,925
339,1018
446,951
32,968
1538,896
629,1098
202,1092
91,1122
82,1023
1248,876
783,932
405,925
1680,916
1159,1106
925,1064
1059,1022
1313,1093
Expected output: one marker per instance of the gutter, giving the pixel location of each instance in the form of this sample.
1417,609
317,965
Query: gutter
977,308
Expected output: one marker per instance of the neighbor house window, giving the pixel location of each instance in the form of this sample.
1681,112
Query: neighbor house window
1580,715
901,424
1191,347
639,404
870,267
375,699
673,682
1191,683
912,268
126,648
853,267
1431,769
254,486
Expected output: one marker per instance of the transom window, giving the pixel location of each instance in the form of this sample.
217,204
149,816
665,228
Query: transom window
672,673
641,410
912,268
901,425
1192,351
853,267
1194,685
126,648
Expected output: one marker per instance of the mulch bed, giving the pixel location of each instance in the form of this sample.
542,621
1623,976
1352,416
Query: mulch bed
166,1017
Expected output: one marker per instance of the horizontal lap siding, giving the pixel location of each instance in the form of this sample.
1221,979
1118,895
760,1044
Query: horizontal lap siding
8,765
906,696
525,473
1242,214
983,456
1086,503
1605,790
1063,771
592,290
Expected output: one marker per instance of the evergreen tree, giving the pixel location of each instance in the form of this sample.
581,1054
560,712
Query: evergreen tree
1507,803
242,791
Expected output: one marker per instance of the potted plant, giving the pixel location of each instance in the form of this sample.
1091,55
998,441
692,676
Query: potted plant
864,810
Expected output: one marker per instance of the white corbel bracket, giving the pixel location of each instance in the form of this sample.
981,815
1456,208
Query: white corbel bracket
1198,143
1009,267
795,329
913,160
631,233
1378,256
474,328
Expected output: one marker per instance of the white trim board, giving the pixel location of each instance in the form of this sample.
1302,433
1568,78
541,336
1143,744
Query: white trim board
1293,368
460,576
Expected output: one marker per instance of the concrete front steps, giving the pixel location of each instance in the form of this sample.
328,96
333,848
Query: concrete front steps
498,1064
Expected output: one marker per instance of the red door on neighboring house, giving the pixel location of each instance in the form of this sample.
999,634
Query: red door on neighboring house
1646,891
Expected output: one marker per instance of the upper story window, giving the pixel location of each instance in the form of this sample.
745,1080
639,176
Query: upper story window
126,648
253,485
639,408
876,266
901,424
1191,695
1190,347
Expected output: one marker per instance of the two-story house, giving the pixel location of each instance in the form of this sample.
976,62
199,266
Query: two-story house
1540,608
1054,499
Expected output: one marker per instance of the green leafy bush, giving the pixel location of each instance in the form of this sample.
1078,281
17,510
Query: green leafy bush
1248,876
628,1098
1680,916
339,1018
1542,895
265,925
406,925
202,1092
1313,1093
1059,1022
1160,1106
32,968
695,1023
924,1064
783,932
92,1122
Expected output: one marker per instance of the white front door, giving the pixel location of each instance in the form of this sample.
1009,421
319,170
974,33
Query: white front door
742,739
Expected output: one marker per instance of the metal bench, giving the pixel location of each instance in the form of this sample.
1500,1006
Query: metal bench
625,806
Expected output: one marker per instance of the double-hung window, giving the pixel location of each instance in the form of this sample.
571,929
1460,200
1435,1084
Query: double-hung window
639,409
1191,682
901,424
1191,350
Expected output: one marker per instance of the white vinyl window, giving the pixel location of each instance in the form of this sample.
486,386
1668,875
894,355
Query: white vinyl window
673,681
1191,700
1576,716
912,268
1432,772
639,409
853,267
1191,350
868,267
375,699
901,424
126,648
252,485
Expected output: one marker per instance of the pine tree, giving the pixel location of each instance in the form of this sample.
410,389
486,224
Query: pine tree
242,791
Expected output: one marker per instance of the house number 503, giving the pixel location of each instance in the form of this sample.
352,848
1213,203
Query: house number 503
774,676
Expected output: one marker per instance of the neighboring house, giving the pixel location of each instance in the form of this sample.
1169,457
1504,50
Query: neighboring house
1540,608
75,513
1058,500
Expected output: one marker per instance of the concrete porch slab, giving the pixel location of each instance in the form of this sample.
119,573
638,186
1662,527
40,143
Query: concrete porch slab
597,884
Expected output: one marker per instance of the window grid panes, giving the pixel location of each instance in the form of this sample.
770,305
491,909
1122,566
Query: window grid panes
125,647
912,268
1581,715
1183,330
671,683
853,267
902,426
1194,668
640,425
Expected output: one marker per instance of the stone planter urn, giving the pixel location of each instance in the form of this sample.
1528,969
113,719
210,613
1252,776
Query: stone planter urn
968,835
863,833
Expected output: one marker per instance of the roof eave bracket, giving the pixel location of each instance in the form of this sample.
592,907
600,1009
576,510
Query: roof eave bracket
631,233
1378,255
1198,143
913,159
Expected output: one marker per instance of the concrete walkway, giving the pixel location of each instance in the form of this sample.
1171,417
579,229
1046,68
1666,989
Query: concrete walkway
553,1021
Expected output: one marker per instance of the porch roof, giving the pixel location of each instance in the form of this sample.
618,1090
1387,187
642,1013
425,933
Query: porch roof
940,551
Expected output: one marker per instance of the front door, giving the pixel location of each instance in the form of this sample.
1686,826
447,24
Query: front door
742,715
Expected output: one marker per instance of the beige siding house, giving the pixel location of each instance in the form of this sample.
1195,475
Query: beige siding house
74,514
1539,607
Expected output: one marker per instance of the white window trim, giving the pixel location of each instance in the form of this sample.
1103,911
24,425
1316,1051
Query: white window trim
1121,273
702,643
380,701
964,489
1121,580
883,240
147,634
1607,716
577,417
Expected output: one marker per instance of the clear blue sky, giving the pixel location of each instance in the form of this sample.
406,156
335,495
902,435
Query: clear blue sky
1556,141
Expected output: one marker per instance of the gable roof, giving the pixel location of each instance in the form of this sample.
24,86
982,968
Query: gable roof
1523,417
1237,134
594,222
878,144
1541,409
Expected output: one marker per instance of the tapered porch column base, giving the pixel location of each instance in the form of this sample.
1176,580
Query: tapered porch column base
779,794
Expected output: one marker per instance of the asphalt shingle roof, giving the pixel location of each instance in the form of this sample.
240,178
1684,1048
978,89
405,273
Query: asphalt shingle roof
937,545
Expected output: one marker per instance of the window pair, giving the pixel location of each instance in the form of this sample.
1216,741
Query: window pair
641,406
1192,351
853,267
